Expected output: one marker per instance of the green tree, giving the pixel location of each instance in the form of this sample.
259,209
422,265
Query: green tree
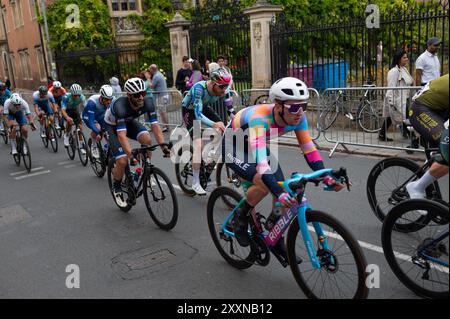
94,30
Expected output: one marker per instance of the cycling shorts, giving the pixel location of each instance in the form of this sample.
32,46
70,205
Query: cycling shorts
189,117
19,117
134,130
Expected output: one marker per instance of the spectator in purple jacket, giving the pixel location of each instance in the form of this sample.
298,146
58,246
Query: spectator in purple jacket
196,75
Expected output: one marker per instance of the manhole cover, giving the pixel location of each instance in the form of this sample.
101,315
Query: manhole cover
145,261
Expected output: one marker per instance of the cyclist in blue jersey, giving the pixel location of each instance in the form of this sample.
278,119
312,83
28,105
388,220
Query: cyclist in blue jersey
94,115
5,94
195,107
70,108
44,103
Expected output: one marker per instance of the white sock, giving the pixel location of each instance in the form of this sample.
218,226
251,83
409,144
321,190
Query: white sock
420,185
196,177
13,145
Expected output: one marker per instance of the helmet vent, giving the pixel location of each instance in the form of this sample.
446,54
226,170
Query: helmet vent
288,91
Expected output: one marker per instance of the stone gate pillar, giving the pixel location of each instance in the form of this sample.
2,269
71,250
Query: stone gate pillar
261,15
179,41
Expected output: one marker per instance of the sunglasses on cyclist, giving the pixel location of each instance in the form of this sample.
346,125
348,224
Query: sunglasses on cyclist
295,108
139,94
221,86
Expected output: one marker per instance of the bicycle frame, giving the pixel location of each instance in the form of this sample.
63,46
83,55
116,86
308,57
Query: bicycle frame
272,237
422,254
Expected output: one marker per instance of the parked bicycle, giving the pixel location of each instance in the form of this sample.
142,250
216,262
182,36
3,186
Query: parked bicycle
150,181
77,142
386,183
331,263
367,114
418,254
50,134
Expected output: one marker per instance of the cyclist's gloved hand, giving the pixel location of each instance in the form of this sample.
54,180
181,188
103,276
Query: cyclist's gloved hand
286,200
166,151
33,126
332,184
133,158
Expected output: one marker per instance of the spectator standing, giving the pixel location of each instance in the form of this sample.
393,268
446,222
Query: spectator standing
427,64
8,84
159,86
396,101
183,75
205,70
223,63
196,75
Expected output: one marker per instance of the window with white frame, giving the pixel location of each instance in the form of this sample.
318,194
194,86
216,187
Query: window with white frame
16,6
123,5
41,63
32,4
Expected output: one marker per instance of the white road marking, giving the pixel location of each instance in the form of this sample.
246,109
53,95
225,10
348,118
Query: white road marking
380,250
70,166
65,163
23,172
31,175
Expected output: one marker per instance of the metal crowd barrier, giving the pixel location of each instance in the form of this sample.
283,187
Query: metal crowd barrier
261,96
347,118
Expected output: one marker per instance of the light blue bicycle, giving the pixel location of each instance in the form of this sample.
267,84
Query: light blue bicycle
325,259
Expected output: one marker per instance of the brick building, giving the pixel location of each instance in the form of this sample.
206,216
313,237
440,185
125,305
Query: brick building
22,53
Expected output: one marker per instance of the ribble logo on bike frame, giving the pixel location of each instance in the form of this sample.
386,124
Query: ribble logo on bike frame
280,227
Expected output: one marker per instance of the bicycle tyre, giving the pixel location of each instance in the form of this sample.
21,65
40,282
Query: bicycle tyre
83,145
174,218
52,137
4,132
222,167
262,99
367,112
25,157
389,226
179,170
98,165
18,155
110,184
71,148
45,139
374,175
328,117
239,263
353,245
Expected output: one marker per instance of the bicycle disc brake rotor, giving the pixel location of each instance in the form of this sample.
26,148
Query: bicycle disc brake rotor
328,260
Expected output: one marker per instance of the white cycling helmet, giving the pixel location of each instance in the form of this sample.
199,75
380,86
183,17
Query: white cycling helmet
76,89
15,99
57,85
289,89
134,85
106,91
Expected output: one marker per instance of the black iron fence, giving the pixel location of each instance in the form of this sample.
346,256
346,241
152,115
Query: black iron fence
94,67
349,53
220,28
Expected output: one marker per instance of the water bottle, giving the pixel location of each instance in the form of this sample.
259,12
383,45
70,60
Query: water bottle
273,217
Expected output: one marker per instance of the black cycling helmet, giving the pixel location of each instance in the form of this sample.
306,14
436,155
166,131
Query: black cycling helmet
43,89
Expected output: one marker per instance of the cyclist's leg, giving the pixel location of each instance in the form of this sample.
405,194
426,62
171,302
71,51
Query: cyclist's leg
430,125
12,133
120,164
210,149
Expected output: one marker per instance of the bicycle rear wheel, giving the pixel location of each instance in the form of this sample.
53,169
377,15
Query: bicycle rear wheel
97,164
409,254
26,156
51,136
82,149
368,118
343,268
217,212
329,116
160,198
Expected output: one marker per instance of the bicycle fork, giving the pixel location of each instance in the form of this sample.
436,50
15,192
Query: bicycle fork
322,239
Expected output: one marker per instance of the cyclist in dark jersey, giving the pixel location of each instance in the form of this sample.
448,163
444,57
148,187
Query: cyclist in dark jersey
121,123
428,114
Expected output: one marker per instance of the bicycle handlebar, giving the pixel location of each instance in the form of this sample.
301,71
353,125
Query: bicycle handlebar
299,181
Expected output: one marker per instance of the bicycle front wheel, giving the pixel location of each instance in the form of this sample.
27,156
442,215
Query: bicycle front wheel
111,165
97,164
183,171
82,148
26,154
342,274
227,245
386,184
419,259
51,136
368,118
226,177
160,199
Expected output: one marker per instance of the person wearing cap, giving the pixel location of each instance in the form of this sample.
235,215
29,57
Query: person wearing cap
427,64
